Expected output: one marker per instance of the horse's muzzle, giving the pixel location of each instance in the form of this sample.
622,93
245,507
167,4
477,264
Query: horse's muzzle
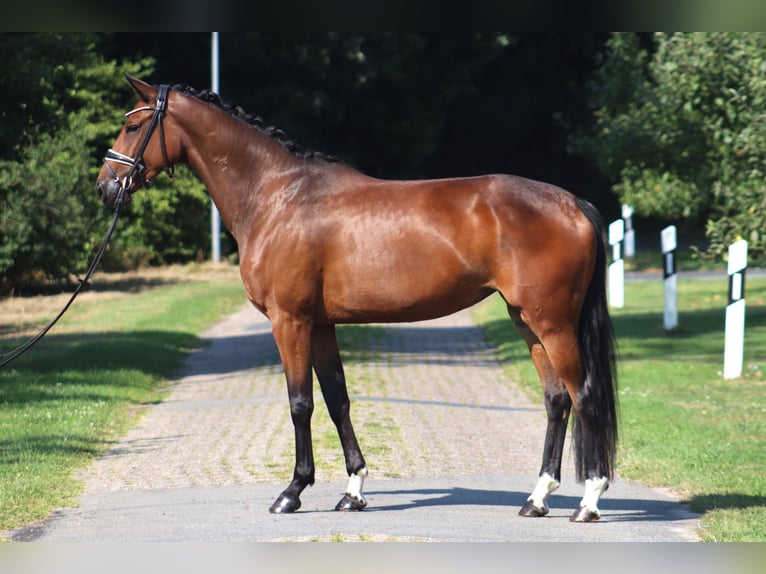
108,190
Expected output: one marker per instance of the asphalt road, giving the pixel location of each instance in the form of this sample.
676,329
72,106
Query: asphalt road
466,509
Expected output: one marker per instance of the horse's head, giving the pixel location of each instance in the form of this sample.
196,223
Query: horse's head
143,149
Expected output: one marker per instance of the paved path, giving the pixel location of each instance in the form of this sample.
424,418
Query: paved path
460,450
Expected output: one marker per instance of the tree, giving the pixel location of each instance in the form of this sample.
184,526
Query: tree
61,106
680,128
43,217
424,104
164,224
58,106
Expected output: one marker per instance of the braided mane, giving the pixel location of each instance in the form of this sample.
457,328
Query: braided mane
212,98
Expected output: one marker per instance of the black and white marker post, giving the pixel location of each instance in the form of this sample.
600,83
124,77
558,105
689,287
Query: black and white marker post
669,277
617,266
734,345
630,234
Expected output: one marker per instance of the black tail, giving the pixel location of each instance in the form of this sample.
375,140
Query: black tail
598,397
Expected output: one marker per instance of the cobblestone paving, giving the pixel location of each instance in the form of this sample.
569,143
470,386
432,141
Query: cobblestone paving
428,399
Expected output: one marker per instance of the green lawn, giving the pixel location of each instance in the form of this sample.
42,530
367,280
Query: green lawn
84,384
682,425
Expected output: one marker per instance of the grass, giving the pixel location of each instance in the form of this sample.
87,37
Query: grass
682,425
686,260
84,384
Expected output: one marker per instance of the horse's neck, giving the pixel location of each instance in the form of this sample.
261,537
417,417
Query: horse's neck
240,166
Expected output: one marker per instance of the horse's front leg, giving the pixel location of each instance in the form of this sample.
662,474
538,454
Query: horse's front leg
325,357
293,338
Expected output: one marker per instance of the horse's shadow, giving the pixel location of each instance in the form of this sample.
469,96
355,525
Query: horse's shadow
617,509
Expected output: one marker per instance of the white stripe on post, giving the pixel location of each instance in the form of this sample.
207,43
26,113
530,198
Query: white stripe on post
669,277
617,266
734,345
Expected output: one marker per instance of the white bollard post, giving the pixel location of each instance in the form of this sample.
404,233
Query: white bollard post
734,345
669,277
630,234
617,266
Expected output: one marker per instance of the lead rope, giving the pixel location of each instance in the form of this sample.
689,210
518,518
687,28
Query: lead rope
18,351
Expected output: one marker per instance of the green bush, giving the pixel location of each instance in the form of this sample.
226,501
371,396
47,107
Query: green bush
45,216
166,223
64,108
679,129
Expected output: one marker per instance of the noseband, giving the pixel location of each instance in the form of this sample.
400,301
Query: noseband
137,167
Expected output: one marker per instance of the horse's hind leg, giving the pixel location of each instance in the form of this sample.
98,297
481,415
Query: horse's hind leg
564,353
325,358
558,406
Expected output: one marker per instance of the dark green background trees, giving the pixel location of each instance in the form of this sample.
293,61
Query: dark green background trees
62,102
57,105
670,123
680,128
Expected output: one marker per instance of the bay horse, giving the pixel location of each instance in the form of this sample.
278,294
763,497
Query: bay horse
320,244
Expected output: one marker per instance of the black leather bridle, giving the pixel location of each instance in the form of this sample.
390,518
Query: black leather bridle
137,167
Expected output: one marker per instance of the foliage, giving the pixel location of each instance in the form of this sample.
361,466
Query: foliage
62,107
58,110
167,223
681,130
411,105
42,228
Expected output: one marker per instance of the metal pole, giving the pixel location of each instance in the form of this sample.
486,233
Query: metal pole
215,217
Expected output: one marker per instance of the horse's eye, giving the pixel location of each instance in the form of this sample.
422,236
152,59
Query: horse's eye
133,128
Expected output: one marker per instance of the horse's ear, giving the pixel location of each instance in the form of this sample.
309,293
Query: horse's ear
145,91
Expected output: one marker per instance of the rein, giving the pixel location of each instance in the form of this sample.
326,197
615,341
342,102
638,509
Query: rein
18,351
137,168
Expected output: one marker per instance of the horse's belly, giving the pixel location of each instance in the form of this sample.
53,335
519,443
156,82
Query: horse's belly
426,268
401,297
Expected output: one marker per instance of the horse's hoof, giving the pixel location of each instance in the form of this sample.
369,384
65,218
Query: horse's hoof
583,514
285,504
529,510
347,503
